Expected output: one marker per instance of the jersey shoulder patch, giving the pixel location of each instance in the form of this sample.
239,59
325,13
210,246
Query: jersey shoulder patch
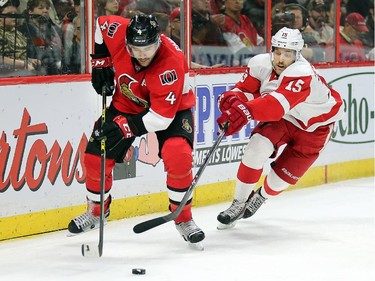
168,77
109,25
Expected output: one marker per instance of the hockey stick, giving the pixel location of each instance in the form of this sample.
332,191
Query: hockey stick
88,250
147,225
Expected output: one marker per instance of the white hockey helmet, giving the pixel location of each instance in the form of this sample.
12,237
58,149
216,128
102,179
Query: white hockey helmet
288,38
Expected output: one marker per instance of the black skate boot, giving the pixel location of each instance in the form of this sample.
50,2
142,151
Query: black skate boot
229,217
253,203
191,233
91,219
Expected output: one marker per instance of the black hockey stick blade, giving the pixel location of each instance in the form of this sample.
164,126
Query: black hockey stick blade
147,225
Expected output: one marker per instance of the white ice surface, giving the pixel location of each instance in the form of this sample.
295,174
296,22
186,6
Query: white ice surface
324,233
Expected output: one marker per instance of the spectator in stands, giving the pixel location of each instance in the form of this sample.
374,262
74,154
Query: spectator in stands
362,7
53,14
254,10
68,31
155,6
206,27
72,55
351,48
175,30
370,19
13,45
312,51
318,19
45,41
280,19
164,24
217,6
238,30
331,12
125,4
128,8
175,24
367,38
77,6
67,20
343,12
64,9
107,7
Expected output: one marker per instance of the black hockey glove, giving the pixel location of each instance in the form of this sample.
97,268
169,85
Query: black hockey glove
102,77
118,127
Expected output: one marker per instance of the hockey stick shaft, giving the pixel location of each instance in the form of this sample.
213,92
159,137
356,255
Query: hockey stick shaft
102,176
86,249
147,225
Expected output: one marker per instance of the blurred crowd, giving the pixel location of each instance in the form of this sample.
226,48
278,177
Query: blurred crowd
40,37
316,21
43,37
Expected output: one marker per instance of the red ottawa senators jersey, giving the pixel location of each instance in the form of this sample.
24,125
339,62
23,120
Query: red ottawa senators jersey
162,87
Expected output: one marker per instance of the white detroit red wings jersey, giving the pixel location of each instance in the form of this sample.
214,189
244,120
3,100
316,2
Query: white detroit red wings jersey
163,85
299,95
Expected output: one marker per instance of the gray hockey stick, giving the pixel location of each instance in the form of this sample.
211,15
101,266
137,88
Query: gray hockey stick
92,250
147,225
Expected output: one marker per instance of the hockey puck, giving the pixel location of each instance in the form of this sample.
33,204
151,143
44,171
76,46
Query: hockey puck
139,271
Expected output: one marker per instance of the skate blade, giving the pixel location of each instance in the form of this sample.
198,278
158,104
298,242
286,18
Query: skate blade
96,226
196,246
71,234
222,226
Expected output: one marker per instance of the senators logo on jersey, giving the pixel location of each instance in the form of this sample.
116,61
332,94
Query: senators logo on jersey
125,82
112,29
186,126
168,77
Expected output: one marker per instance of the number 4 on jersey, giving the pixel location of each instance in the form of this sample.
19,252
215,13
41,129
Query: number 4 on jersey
171,98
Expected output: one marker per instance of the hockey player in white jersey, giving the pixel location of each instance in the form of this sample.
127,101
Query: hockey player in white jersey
295,107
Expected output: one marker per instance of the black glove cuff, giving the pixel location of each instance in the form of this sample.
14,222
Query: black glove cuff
99,56
136,123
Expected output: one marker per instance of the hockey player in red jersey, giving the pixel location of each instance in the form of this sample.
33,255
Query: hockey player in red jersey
151,94
295,107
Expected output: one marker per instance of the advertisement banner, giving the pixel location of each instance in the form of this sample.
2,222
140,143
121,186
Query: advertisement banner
44,129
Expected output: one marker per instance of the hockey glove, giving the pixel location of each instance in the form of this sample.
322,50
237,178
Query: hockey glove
102,77
238,116
119,125
226,99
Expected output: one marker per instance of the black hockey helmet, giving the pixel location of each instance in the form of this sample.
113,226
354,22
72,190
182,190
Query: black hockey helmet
142,30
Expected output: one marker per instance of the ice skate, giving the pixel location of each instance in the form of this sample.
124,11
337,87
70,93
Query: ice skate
253,203
191,234
89,220
229,217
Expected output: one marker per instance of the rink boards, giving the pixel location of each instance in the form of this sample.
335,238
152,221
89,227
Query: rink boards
45,128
